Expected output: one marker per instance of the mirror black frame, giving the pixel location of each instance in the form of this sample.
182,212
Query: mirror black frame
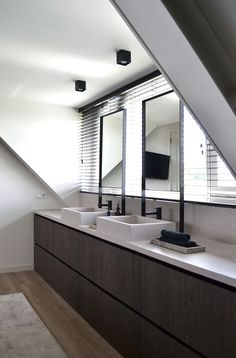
123,177
181,158
143,200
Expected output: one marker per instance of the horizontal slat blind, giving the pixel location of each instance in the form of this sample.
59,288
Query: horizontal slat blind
133,105
89,150
222,185
131,100
206,176
195,164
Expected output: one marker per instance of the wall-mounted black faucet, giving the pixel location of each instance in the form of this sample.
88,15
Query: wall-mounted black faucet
157,212
109,206
117,212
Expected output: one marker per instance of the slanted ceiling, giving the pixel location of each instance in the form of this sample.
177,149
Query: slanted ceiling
188,72
210,27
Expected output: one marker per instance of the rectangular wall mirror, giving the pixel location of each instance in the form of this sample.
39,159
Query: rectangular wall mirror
112,154
161,144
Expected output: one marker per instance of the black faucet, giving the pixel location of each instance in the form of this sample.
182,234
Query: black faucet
117,212
157,212
109,206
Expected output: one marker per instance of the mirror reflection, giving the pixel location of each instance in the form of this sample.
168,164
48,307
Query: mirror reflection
162,143
112,140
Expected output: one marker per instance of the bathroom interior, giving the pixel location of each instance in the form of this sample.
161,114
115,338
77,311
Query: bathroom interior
118,180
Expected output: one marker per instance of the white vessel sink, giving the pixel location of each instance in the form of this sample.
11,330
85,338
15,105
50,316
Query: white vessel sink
133,227
81,215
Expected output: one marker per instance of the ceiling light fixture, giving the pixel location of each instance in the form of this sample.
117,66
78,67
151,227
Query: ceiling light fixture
123,57
80,86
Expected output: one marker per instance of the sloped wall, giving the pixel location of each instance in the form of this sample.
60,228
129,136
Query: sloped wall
46,137
19,189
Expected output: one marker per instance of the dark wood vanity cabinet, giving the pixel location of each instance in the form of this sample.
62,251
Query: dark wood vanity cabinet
143,307
125,329
108,266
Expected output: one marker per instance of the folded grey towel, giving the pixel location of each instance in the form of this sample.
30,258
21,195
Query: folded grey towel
178,242
176,235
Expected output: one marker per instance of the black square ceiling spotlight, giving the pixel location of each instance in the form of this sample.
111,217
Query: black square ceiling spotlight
123,57
80,86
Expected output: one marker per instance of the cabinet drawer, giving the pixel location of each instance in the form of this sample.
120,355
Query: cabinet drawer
109,267
42,263
43,232
110,318
197,312
151,342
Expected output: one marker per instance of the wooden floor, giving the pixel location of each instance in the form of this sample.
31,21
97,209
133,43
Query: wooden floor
74,335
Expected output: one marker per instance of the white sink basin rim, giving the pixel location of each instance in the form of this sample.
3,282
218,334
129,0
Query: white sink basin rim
81,215
133,227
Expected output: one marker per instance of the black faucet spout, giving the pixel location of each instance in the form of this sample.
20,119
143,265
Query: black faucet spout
109,206
157,212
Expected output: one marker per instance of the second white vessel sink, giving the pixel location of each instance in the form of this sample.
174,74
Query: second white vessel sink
81,215
133,227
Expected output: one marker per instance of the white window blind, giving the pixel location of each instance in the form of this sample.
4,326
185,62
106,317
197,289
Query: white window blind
131,100
89,165
195,163
206,176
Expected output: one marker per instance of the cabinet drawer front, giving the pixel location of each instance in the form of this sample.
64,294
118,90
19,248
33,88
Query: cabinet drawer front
150,341
109,267
197,312
42,263
110,318
43,232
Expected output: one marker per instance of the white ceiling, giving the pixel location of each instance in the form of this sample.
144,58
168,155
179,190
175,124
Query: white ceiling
46,45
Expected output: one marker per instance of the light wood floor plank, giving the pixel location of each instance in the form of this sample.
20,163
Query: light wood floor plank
7,285
75,336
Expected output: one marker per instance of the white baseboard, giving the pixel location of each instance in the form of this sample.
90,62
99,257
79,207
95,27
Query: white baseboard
6,269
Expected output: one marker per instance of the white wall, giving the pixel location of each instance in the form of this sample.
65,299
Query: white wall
18,190
213,223
46,137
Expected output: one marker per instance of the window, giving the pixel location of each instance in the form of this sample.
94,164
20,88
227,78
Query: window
131,100
206,177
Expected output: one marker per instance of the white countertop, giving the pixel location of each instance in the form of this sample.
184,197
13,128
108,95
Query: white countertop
217,263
